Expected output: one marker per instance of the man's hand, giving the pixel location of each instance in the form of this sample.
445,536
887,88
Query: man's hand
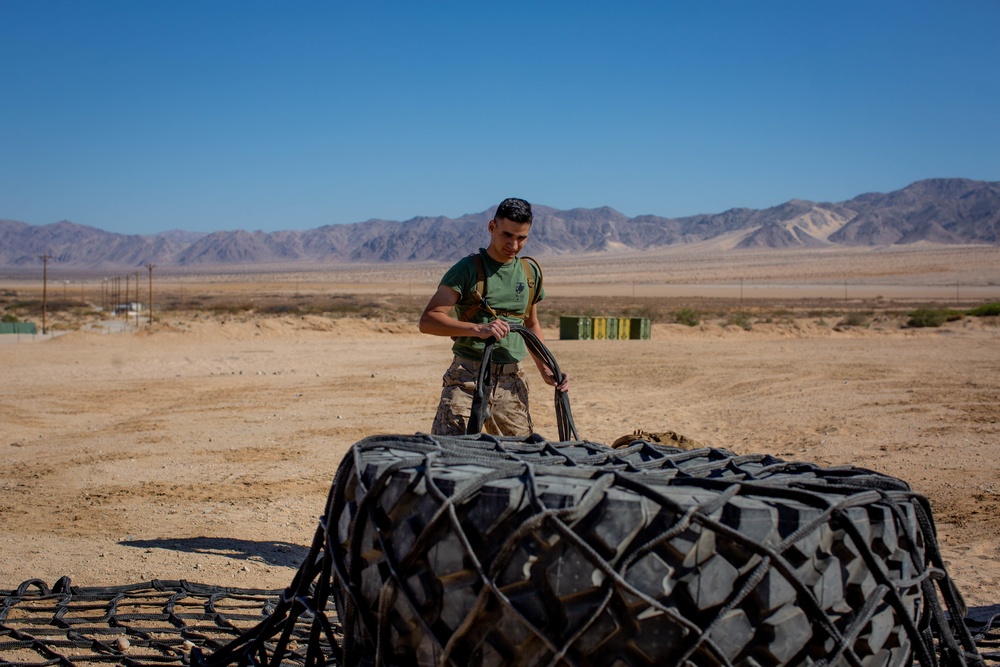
495,328
550,379
531,322
437,319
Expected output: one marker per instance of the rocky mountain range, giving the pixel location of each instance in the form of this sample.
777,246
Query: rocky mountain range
944,210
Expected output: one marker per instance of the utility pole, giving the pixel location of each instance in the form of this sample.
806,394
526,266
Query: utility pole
150,266
137,299
45,285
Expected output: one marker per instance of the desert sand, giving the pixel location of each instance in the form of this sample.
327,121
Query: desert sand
202,447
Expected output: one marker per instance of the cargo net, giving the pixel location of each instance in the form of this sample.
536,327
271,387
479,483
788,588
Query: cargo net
479,550
153,623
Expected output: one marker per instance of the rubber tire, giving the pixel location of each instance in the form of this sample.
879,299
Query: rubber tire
478,550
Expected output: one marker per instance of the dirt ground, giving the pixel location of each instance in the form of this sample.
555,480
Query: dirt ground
203,447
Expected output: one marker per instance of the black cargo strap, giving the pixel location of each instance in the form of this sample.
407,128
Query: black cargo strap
484,383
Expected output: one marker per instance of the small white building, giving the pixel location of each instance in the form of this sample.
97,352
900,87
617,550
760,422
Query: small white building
134,307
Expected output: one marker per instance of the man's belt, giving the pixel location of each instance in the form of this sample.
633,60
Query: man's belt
498,369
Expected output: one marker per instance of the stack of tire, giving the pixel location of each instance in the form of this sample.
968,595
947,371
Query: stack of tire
478,550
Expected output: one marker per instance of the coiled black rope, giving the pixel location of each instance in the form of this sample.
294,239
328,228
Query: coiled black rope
484,382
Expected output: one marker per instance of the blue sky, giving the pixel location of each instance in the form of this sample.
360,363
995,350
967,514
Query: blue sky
140,117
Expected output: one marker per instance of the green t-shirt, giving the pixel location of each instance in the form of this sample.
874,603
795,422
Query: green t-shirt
506,289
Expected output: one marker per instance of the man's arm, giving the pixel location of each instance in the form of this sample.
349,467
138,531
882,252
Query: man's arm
532,324
437,320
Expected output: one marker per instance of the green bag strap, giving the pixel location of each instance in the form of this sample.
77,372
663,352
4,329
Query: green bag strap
529,274
479,293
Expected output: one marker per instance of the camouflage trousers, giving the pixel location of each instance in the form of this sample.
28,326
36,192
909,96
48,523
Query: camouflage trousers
508,406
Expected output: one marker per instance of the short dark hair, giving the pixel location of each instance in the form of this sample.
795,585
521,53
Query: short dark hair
515,210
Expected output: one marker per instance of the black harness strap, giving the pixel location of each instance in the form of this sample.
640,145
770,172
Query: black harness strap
480,396
480,411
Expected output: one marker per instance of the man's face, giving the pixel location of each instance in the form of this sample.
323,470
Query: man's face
507,238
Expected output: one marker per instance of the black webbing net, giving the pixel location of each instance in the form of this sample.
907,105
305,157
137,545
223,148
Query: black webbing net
985,630
40,625
499,551
493,551
154,623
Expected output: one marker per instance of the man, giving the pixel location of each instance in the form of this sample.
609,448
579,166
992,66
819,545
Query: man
507,290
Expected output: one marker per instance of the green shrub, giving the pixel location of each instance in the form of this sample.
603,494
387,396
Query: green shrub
651,312
7,317
855,319
741,320
781,316
280,309
231,309
986,310
688,316
931,317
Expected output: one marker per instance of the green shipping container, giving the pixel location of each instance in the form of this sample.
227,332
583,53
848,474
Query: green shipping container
640,328
624,325
573,327
600,328
18,328
612,328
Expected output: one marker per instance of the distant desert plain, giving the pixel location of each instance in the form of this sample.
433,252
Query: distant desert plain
200,444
